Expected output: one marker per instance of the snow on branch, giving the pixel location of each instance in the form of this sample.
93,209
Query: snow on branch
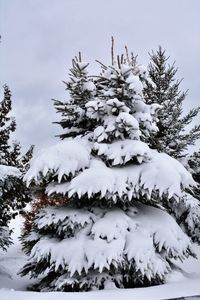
139,235
6,171
64,158
162,174
121,152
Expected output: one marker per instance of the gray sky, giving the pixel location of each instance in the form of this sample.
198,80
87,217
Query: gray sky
39,38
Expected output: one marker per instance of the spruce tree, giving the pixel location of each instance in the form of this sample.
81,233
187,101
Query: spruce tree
7,126
173,137
13,198
10,153
112,228
13,193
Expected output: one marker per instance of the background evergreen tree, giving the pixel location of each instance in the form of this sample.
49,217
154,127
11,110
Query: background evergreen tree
7,126
193,165
112,229
173,136
10,153
13,193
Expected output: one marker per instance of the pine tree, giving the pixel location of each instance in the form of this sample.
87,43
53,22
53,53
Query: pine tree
112,228
7,126
10,153
173,137
13,198
13,193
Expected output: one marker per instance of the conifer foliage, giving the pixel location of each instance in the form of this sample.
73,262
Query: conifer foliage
193,165
81,90
13,193
7,126
173,137
112,229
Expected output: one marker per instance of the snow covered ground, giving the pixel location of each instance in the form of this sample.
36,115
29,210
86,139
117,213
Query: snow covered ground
13,286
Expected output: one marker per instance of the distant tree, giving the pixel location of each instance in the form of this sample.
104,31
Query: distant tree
7,126
10,153
173,136
13,193
193,165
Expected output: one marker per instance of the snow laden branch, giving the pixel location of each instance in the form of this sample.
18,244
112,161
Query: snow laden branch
107,239
152,171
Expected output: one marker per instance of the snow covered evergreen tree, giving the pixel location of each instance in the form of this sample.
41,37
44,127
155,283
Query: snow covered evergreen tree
10,153
13,193
113,229
172,137
7,126
11,199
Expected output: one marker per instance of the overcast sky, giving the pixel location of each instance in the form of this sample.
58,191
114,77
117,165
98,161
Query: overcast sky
39,38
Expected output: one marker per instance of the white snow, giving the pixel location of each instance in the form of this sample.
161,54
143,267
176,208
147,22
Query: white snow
135,84
115,105
172,290
6,171
89,86
100,134
121,152
95,108
71,217
162,173
82,65
127,120
106,237
64,158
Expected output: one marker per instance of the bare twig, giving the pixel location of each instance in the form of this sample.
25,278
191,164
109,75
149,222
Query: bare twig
112,51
